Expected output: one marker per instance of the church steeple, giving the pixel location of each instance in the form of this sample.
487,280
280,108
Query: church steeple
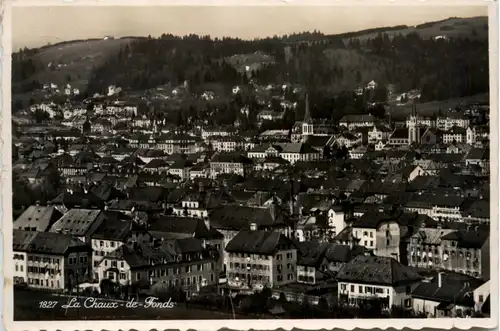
307,114
307,124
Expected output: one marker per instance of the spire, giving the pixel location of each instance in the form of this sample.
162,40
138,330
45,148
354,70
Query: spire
307,115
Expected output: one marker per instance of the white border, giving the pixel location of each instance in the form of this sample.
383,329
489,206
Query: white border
347,324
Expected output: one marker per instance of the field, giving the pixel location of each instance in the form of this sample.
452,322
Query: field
451,28
74,60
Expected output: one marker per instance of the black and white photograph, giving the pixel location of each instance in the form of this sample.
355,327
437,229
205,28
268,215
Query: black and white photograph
251,163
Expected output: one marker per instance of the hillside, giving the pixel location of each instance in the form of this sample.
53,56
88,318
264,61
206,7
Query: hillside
69,62
473,27
402,55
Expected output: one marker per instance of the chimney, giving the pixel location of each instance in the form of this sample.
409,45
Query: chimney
106,207
440,279
253,226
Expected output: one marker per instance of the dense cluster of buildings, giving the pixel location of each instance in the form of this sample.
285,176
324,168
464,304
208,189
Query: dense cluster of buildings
402,216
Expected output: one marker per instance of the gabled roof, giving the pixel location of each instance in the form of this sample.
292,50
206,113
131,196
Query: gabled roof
455,288
40,218
469,239
257,242
194,227
377,270
237,217
45,242
78,222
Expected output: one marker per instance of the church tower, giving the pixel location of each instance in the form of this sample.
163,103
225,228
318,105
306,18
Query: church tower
307,124
414,127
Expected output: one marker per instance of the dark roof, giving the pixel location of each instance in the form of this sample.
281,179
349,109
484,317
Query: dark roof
237,217
38,218
455,288
115,226
78,222
78,198
469,239
257,242
311,253
377,270
194,227
230,158
44,242
372,219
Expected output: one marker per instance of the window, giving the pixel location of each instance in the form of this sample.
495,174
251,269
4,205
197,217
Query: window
112,244
371,234
16,267
101,243
481,298
278,257
138,277
21,268
371,243
352,288
280,278
366,243
360,288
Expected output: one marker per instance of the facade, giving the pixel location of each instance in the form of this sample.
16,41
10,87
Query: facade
367,278
50,261
234,163
272,262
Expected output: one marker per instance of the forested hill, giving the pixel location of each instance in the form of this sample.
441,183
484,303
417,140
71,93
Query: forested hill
442,68
454,65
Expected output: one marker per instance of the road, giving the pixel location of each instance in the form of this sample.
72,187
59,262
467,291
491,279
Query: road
27,308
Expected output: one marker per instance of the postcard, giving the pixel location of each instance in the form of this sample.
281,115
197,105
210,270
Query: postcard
249,165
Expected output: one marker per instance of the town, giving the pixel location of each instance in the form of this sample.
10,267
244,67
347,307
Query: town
374,213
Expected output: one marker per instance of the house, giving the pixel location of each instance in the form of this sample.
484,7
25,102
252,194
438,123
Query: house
230,163
173,227
354,121
358,152
230,219
294,152
181,169
37,218
258,259
455,135
366,278
371,85
226,143
425,249
269,115
348,140
184,263
50,261
108,236
312,263
445,123
378,133
448,294
467,252
385,233
80,223
176,143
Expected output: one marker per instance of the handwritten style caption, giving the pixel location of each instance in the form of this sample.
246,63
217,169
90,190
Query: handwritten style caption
96,303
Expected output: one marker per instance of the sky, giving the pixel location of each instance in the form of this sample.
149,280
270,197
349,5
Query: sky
62,23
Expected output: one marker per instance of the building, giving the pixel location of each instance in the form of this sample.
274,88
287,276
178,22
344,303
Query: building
378,133
260,258
162,264
51,261
446,295
355,121
230,163
455,135
37,218
366,278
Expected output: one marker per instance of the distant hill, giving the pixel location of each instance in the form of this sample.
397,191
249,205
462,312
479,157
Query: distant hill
79,62
69,62
473,27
